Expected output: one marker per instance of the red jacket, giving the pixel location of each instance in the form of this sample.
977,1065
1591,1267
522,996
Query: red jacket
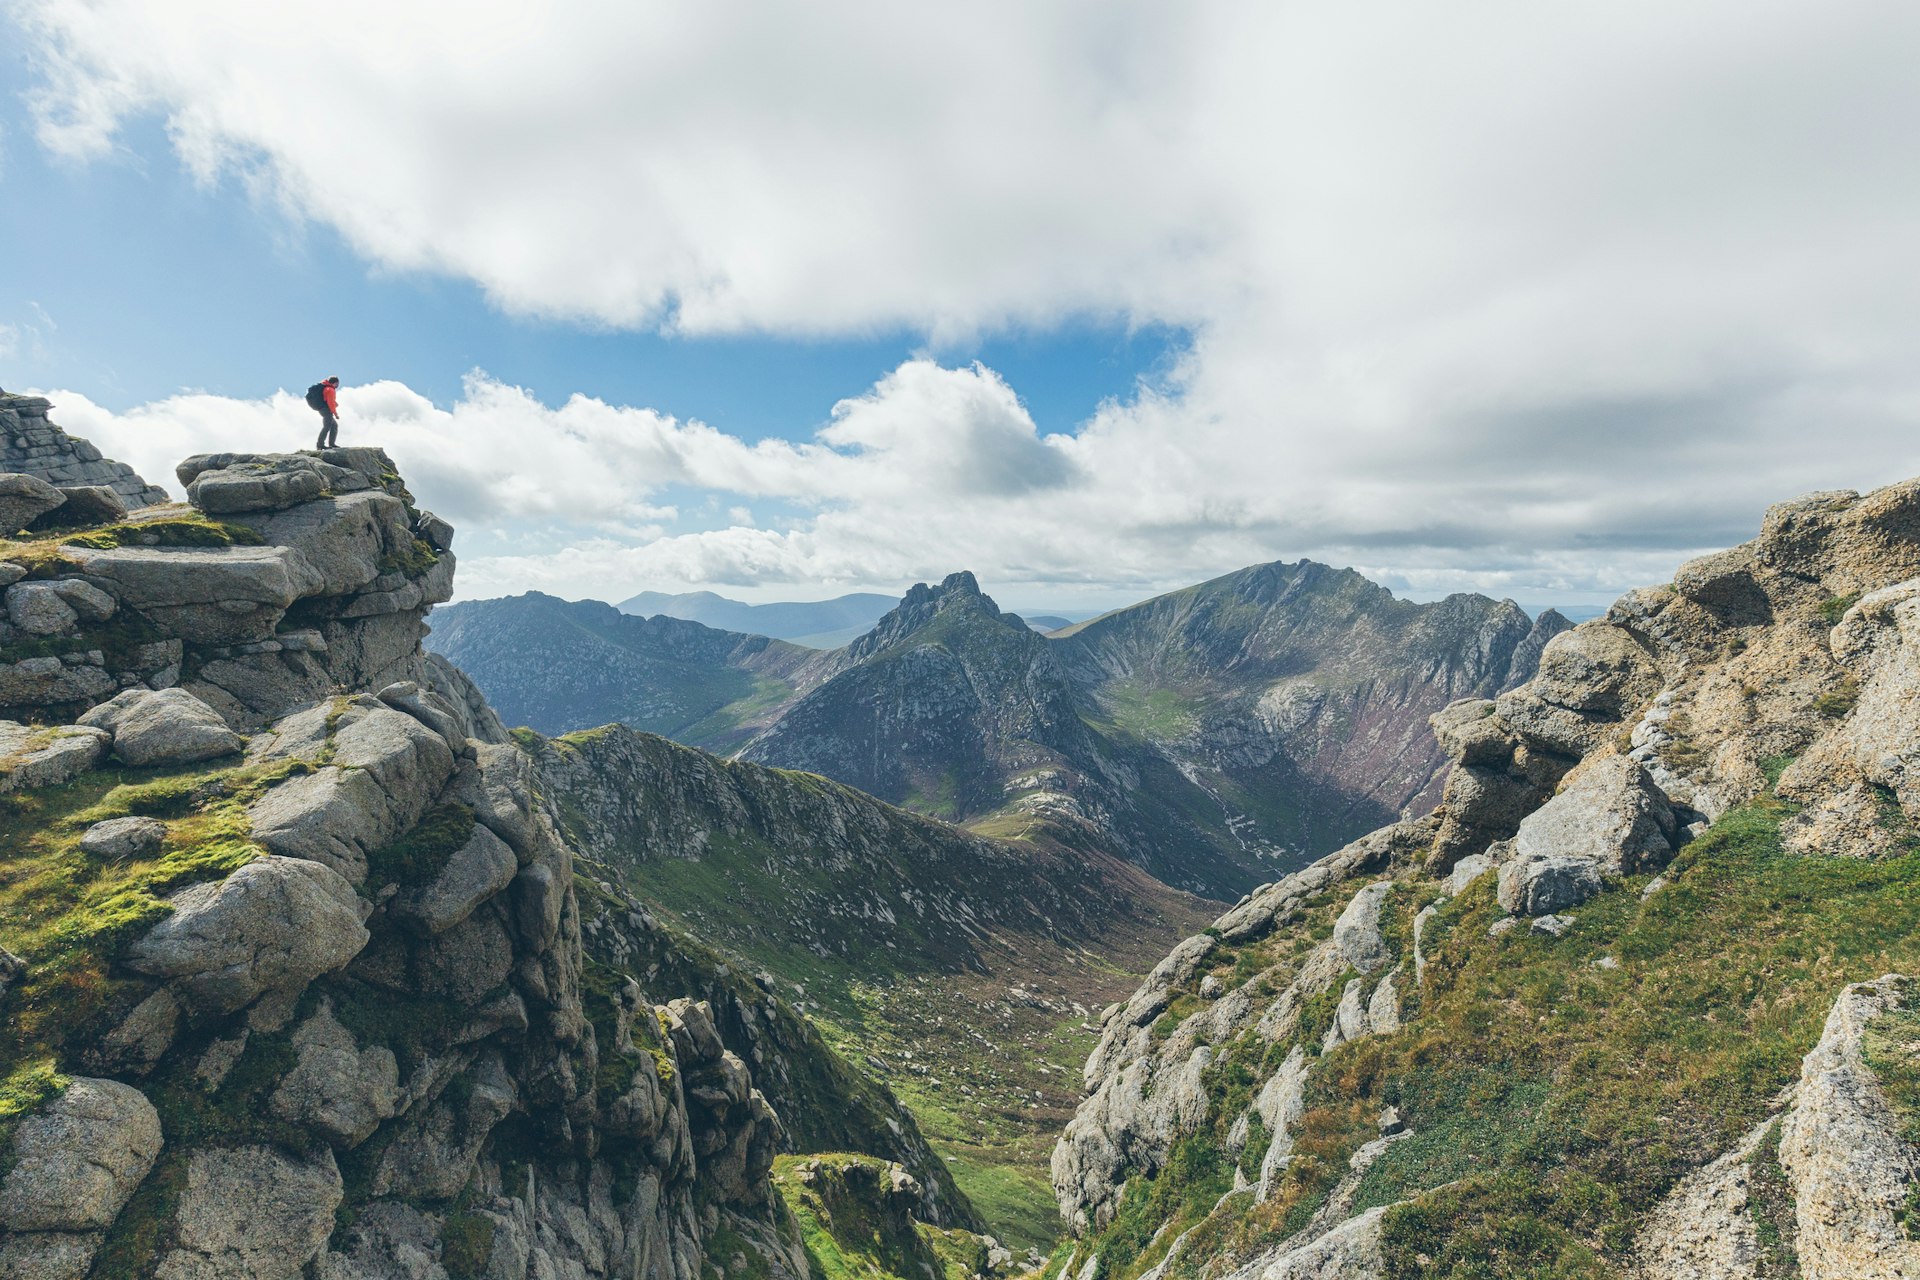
326,393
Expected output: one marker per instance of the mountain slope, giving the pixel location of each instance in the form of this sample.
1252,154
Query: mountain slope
1212,736
951,707
558,666
961,969
1628,1003
1298,694
1245,723
819,624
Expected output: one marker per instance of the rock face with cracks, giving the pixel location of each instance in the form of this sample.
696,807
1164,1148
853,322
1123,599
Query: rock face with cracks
287,576
1764,706
358,1018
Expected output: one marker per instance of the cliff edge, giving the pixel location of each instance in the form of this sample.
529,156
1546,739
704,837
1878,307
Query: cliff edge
299,976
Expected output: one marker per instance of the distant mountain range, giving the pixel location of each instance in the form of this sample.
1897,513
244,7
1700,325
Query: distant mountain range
817,624
564,665
1215,735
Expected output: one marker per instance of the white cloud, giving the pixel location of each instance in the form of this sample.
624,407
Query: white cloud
572,499
1538,293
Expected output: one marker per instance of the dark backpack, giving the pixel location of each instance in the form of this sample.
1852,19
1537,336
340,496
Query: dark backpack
317,396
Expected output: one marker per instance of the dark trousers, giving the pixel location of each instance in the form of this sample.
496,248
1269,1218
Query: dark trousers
329,430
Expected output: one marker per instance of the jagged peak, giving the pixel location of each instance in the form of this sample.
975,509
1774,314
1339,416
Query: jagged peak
958,593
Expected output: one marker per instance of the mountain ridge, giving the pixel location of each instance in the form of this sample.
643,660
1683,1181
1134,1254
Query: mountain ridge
807,622
1211,760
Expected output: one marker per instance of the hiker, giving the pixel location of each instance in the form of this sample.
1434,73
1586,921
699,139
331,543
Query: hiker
321,395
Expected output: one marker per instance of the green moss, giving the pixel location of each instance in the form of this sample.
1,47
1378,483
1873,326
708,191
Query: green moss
117,639
600,988
237,1113
1837,702
1774,1211
44,555
1182,1007
466,1245
190,530
421,854
144,1228
177,794
414,1027
853,1230
411,561
1836,607
30,1084
68,914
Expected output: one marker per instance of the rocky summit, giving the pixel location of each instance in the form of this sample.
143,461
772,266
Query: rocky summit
300,975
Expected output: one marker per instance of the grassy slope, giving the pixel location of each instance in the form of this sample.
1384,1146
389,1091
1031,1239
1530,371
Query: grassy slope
851,1232
926,1003
67,914
1554,1101
991,1077
564,666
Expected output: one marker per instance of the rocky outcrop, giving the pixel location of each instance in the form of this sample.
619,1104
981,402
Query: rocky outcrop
1351,1251
1704,1229
163,727
1851,1164
347,1012
1146,1084
1763,704
273,925
251,1211
317,576
30,444
72,1169
75,1164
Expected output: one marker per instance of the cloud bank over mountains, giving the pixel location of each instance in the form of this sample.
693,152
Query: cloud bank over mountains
1498,294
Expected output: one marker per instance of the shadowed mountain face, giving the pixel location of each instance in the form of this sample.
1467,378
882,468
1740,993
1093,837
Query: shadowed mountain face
936,708
560,666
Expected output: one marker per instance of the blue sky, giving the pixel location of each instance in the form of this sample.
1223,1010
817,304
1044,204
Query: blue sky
134,282
1093,299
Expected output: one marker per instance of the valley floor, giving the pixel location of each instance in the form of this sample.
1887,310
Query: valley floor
988,1059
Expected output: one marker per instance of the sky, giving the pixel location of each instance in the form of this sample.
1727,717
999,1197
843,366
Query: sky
1094,299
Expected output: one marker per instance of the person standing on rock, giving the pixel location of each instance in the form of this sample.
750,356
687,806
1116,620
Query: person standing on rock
322,396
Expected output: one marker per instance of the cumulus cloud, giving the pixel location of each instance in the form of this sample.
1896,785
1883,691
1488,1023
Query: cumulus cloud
1495,291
